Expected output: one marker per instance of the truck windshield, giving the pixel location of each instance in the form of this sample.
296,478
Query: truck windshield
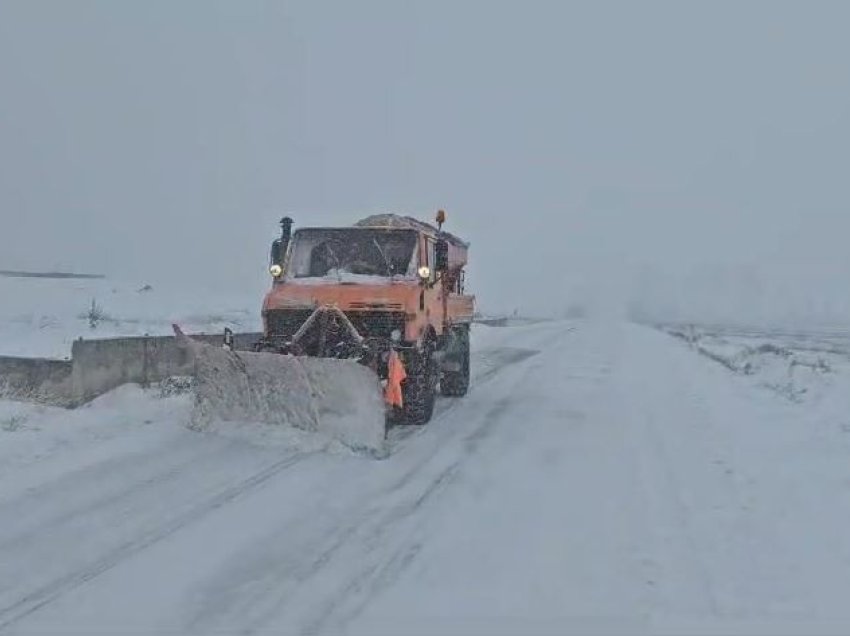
351,252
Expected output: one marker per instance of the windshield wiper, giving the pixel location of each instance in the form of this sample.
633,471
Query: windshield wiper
333,255
387,264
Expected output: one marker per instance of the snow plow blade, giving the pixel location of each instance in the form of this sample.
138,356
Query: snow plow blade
340,399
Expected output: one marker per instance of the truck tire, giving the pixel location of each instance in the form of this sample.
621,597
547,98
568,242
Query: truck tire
419,390
456,383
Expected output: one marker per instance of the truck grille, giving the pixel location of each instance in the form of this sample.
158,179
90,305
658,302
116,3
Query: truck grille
283,323
376,324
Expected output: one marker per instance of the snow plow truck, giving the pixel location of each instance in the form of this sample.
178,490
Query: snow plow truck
361,323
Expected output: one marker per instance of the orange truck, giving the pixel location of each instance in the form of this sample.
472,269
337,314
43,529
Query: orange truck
388,292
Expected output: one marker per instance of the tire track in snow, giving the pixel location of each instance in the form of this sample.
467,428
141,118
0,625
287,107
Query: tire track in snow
367,535
740,548
662,473
379,574
493,360
39,525
67,480
48,593
672,560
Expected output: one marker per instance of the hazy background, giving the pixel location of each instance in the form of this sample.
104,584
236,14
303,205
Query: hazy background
683,158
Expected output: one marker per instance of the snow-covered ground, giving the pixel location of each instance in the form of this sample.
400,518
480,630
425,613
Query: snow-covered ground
805,367
41,317
599,478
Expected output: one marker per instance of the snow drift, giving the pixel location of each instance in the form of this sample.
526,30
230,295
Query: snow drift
340,399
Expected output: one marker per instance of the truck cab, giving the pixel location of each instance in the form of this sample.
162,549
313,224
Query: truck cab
387,284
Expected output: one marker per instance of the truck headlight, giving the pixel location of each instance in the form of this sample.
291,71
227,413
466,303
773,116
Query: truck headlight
276,270
424,272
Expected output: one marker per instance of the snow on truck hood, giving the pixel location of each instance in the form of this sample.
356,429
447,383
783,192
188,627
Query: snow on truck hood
347,278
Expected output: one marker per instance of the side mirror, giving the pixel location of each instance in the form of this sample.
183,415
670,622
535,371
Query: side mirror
441,255
276,255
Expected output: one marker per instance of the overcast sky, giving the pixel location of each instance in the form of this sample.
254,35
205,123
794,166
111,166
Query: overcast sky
692,156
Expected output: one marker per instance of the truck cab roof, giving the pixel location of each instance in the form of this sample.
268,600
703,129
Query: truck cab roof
396,221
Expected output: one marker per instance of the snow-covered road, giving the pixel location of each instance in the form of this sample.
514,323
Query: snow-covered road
597,477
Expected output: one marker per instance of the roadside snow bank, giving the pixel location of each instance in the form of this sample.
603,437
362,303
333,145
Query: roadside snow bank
798,368
38,443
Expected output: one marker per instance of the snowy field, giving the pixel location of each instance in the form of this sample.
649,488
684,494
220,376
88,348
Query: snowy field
599,478
41,317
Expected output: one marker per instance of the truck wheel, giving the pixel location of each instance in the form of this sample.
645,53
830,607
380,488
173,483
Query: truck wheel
419,390
456,383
